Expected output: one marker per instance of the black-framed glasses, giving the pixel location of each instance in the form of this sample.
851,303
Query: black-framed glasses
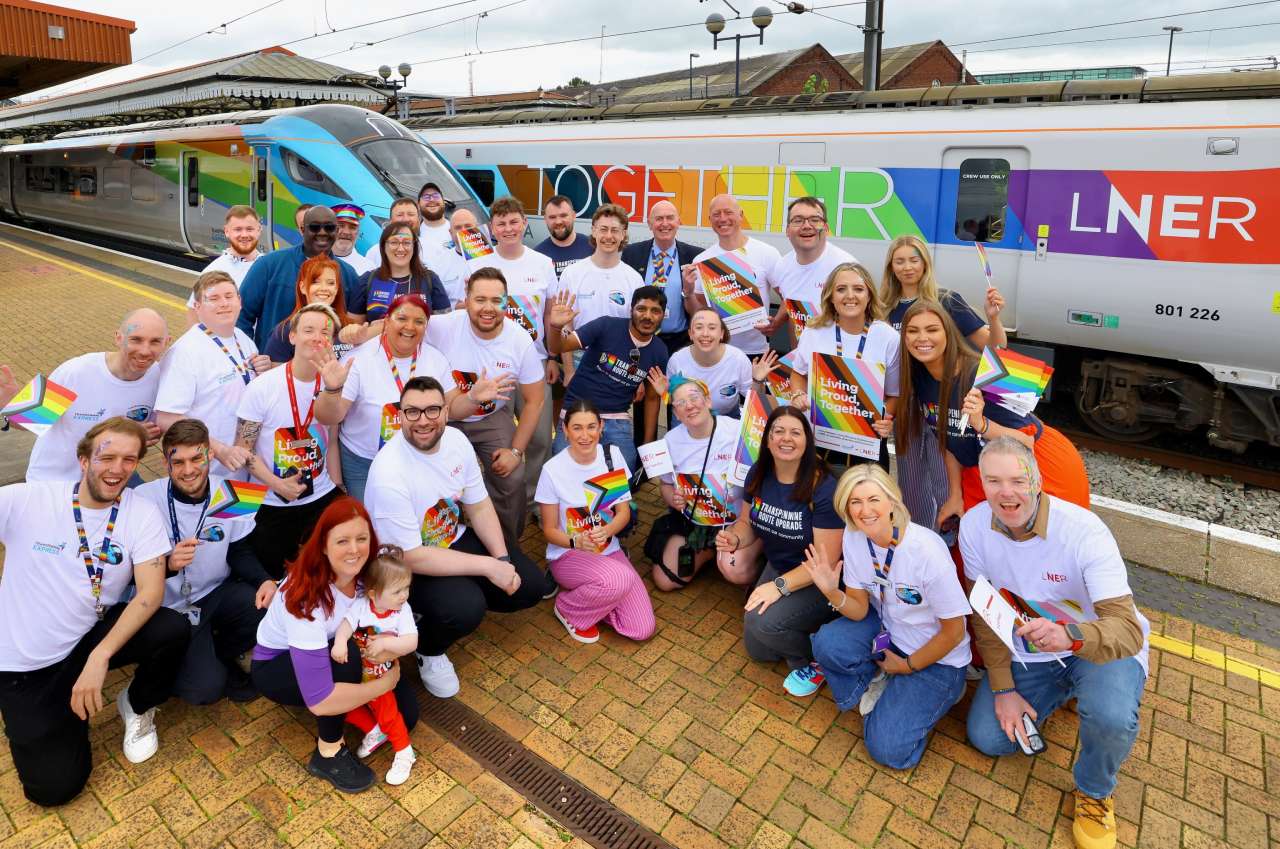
634,356
414,413
327,227
812,220
430,196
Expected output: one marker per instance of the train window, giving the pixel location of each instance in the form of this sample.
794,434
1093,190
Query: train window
193,181
149,155
86,181
982,200
114,179
311,176
481,182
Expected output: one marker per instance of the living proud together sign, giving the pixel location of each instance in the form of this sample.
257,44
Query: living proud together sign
730,287
846,394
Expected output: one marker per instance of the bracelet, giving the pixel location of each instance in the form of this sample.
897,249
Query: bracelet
1005,690
843,598
506,558
332,391
519,454
909,665
986,425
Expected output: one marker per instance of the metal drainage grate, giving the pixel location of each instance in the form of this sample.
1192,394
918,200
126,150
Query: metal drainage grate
575,807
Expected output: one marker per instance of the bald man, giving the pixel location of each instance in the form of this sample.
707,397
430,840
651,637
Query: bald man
727,220
659,261
120,382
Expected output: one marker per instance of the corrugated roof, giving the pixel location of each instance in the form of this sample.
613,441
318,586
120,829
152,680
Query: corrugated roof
893,60
43,45
755,71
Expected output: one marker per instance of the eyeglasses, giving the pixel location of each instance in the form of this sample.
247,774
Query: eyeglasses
811,220
399,243
634,355
329,227
430,196
609,231
686,403
412,414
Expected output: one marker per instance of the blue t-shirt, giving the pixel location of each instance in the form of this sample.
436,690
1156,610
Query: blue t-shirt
374,294
786,526
607,374
961,313
965,447
270,288
562,257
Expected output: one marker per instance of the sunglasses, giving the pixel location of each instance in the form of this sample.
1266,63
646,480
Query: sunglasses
322,228
634,356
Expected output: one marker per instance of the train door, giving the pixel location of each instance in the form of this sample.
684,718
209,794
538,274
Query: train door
260,195
982,196
201,221
6,184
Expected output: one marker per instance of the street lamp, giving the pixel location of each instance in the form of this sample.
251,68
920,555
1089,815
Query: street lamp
1169,61
692,56
715,23
402,104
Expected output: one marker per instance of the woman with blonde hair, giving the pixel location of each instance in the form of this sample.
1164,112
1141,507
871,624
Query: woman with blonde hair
908,276
899,648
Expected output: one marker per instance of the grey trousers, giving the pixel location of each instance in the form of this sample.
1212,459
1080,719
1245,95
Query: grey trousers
508,494
538,451
782,631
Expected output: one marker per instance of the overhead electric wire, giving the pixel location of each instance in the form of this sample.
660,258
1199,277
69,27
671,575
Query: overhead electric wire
209,31
1120,38
476,15
380,21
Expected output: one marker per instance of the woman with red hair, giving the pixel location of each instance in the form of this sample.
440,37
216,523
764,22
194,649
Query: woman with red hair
319,282
291,662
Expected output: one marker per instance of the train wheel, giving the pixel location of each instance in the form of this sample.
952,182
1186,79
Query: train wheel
1111,397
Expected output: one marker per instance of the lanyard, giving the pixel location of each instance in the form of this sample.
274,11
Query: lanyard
177,532
862,343
300,427
242,368
95,572
395,372
882,574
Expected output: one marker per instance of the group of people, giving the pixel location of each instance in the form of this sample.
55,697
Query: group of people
405,421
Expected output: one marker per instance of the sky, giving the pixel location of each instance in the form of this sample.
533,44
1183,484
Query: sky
503,45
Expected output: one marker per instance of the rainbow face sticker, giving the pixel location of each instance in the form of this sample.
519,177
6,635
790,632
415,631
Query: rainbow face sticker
305,454
440,523
390,424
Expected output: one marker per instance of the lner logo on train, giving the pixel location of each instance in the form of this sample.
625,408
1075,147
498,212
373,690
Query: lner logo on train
1178,216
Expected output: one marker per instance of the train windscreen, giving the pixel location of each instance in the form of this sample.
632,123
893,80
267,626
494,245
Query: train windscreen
403,166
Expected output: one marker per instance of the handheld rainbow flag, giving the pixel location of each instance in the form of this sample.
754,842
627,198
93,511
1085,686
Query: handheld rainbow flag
990,369
986,263
236,499
38,405
1014,381
729,285
606,489
473,243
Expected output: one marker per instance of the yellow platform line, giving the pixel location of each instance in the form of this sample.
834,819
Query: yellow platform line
167,300
1218,660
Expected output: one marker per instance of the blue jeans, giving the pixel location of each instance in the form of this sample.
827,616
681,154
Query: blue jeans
1107,697
355,472
616,431
897,731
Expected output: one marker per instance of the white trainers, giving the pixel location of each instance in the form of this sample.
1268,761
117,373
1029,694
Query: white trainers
371,742
400,767
438,675
873,693
140,738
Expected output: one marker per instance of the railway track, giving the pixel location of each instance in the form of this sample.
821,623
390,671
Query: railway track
1243,472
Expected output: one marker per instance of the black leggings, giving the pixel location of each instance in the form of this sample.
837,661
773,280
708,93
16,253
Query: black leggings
49,743
453,606
279,531
276,680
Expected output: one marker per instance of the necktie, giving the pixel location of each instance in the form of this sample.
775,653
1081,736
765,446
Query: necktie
661,267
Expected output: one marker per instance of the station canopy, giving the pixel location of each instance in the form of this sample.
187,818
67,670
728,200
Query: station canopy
43,45
263,79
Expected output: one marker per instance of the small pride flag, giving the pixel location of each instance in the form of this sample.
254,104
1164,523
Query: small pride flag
474,244
236,499
1014,381
606,489
38,405
990,369
986,263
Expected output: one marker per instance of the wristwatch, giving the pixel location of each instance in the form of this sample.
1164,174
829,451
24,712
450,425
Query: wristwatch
1076,635
519,454
506,558
781,583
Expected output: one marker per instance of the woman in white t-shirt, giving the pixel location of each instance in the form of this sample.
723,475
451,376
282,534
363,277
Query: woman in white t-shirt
700,492
291,662
899,647
368,405
726,371
848,325
596,578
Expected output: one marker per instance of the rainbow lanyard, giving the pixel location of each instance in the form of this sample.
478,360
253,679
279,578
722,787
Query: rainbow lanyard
862,343
242,368
882,573
104,554
391,361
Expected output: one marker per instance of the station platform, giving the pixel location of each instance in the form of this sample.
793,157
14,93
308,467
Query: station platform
683,734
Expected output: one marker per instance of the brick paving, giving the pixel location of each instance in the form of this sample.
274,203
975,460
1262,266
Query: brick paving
683,732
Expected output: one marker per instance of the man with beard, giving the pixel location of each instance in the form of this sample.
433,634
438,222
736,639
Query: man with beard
276,421
122,382
242,229
420,485
562,245
435,229
348,216
71,549
270,288
619,356
658,261
492,355
213,577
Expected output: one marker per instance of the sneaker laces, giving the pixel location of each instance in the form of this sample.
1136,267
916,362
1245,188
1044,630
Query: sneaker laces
1091,808
808,673
144,724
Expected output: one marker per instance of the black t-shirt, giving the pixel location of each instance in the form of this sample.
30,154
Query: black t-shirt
563,257
961,313
607,374
375,293
786,526
967,446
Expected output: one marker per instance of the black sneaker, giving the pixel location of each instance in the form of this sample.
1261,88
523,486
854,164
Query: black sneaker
342,770
240,688
551,587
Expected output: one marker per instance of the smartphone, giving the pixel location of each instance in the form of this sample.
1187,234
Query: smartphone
950,530
1030,740
684,561
879,644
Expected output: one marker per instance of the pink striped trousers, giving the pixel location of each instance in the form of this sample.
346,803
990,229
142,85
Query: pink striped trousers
599,587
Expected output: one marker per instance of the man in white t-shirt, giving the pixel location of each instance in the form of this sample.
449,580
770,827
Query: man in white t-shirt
206,371
493,359
213,578
432,206
800,275
420,485
71,550
531,279
275,420
122,382
448,262
726,221
1083,637
243,230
